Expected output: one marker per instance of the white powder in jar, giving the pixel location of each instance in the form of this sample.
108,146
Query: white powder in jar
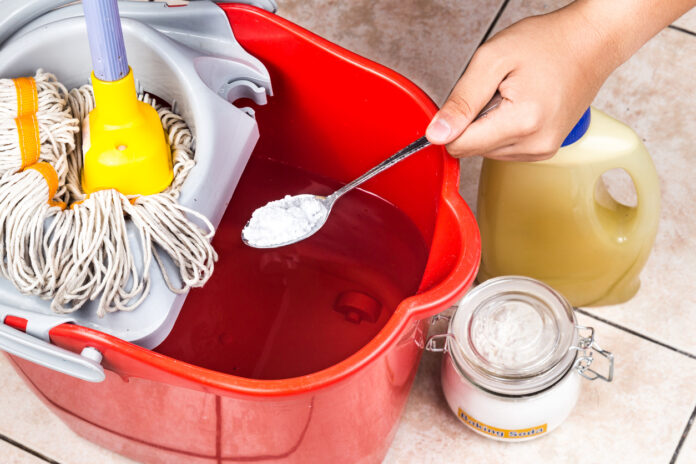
512,336
284,221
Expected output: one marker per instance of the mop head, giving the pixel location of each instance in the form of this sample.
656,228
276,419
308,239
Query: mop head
61,244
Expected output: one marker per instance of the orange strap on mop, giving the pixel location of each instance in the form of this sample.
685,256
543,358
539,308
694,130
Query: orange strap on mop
27,96
29,142
48,173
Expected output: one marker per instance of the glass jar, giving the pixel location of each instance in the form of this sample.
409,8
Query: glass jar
514,357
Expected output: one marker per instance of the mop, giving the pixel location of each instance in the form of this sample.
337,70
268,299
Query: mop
62,243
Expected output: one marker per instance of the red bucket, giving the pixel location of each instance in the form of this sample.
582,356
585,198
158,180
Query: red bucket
335,115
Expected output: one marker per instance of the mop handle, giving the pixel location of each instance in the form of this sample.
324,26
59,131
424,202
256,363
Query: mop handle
105,39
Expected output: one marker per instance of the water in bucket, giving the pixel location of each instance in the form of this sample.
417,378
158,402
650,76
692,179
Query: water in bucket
291,311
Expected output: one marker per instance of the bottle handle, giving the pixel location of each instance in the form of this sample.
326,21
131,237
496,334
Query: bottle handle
641,169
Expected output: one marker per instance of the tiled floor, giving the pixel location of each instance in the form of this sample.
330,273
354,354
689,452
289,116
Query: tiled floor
643,416
12,454
606,425
426,41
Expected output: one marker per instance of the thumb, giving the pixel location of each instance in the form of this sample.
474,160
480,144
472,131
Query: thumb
475,88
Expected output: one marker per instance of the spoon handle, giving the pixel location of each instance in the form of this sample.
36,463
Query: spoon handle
386,164
404,153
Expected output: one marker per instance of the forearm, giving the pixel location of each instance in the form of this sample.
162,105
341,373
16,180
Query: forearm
626,25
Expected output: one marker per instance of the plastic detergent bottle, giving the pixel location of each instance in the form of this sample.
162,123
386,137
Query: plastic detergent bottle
555,221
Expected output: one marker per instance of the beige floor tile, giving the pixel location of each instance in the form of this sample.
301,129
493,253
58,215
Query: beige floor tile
687,454
10,454
520,9
25,419
688,21
427,41
638,418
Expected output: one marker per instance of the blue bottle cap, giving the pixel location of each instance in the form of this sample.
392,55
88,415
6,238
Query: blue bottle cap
579,129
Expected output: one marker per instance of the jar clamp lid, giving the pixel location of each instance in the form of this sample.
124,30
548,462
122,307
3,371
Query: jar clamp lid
516,336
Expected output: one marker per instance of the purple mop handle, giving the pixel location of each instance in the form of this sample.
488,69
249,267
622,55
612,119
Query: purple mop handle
106,39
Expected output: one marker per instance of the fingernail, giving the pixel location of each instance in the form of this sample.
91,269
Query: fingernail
438,130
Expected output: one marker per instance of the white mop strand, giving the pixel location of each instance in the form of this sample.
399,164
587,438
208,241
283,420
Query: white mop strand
165,224
80,103
100,261
51,95
56,137
24,208
181,142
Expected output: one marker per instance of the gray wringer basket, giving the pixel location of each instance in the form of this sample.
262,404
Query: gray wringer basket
187,56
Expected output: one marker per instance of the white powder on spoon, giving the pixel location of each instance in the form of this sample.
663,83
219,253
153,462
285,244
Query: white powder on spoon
284,221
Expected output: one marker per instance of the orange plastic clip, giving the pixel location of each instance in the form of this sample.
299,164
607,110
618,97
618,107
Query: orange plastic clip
27,96
48,173
29,142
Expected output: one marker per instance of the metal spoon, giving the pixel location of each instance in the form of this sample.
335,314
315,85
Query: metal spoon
328,202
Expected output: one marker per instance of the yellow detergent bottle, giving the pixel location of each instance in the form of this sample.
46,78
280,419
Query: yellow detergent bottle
555,221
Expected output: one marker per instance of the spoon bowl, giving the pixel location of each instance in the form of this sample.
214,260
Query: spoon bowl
326,203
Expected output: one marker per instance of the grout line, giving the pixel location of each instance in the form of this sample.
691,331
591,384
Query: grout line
27,449
485,37
637,334
683,437
681,29
495,21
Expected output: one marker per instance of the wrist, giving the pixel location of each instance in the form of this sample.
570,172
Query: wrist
600,39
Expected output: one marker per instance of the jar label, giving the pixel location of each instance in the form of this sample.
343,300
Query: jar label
500,433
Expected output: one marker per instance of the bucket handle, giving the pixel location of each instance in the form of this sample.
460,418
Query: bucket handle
34,345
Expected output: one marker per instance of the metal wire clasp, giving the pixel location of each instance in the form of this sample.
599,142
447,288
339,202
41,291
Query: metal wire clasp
438,343
586,348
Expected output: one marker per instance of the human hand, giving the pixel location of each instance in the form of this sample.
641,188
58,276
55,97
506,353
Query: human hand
548,70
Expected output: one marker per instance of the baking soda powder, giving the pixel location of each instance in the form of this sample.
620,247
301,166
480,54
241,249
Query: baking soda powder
284,221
